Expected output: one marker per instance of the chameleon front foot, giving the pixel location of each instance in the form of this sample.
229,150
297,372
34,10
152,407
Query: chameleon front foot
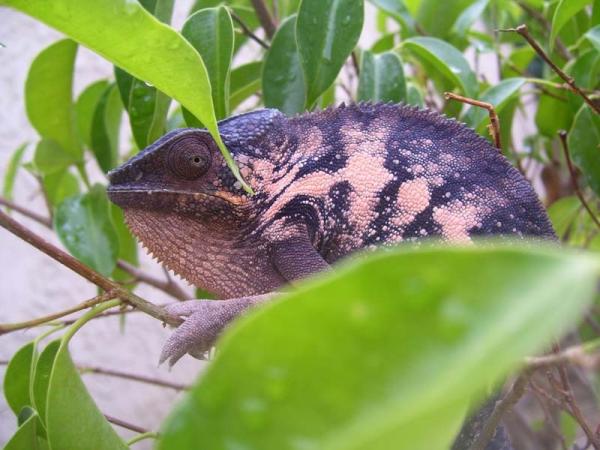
204,320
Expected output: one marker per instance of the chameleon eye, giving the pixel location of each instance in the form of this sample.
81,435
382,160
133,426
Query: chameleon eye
189,158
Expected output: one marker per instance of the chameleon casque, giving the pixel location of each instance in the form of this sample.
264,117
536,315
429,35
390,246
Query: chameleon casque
326,184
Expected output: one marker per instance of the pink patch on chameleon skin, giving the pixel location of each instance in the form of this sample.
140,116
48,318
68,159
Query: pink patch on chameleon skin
413,198
455,220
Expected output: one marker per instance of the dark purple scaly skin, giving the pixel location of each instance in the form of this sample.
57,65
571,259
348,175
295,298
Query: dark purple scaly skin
327,184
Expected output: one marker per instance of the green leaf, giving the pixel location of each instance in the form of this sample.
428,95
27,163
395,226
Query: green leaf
593,35
553,114
418,340
41,377
381,78
17,378
437,18
564,12
398,11
210,31
326,33
49,157
85,108
282,79
584,145
468,17
127,243
446,59
11,171
147,109
245,81
118,31
60,185
105,128
414,95
73,420
26,436
85,228
48,96
498,95
562,212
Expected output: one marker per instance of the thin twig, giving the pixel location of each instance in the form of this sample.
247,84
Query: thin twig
126,425
502,406
247,31
493,127
168,286
132,376
264,17
545,23
10,327
355,63
522,30
26,212
562,134
585,355
86,272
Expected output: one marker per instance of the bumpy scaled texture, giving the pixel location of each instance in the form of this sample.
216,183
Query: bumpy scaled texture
347,178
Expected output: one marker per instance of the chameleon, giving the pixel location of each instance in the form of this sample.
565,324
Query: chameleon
326,185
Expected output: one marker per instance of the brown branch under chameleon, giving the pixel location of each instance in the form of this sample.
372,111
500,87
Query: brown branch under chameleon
167,286
86,272
494,127
132,376
562,134
522,30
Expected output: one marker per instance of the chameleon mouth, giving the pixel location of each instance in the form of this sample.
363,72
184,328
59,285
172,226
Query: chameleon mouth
127,196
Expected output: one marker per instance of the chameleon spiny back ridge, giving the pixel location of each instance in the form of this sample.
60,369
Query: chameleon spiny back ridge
370,174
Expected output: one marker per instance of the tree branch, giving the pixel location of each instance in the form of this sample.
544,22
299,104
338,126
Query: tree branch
86,272
124,424
133,377
562,134
27,213
522,30
264,17
247,31
494,127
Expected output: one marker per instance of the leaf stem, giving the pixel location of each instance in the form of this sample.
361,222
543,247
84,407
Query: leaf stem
142,436
9,327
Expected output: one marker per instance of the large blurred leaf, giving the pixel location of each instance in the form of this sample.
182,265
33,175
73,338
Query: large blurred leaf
245,81
26,437
84,226
584,144
498,95
49,157
130,37
593,35
48,92
106,123
11,171
381,78
210,31
446,59
85,108
17,377
73,420
326,33
368,355
564,12
397,9
468,17
282,79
